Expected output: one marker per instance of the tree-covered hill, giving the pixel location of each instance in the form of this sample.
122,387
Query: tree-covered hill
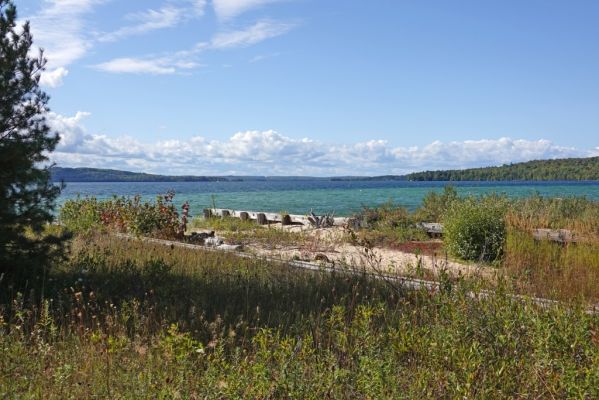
111,175
567,169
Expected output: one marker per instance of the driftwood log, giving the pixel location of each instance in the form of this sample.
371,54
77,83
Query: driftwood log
555,235
270,217
286,219
261,219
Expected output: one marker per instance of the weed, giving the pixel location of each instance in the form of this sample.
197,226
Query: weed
127,319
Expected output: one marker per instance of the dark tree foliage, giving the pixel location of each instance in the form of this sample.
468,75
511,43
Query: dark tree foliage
566,169
27,195
60,174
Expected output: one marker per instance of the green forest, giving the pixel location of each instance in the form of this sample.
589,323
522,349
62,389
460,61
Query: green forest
567,169
111,175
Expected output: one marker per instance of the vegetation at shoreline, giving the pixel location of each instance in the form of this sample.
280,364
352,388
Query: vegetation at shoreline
124,215
498,231
86,313
387,225
247,232
545,268
124,319
475,229
492,230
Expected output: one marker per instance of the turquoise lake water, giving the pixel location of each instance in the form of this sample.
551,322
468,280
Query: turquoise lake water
299,196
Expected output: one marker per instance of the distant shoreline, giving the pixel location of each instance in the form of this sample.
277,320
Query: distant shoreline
567,169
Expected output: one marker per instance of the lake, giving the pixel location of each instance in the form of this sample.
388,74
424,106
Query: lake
299,196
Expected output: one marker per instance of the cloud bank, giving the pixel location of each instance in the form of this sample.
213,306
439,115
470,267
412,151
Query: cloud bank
272,153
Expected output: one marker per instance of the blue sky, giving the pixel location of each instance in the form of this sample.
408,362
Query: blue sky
307,87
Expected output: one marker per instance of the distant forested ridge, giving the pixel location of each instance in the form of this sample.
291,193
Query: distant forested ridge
111,175
566,169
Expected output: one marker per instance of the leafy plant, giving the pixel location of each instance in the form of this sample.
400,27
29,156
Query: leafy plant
435,205
123,214
474,228
388,224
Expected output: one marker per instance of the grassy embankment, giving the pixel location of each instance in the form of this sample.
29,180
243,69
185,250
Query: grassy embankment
550,269
541,268
126,319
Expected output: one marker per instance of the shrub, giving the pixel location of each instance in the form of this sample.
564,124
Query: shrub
123,214
388,224
80,215
474,228
435,205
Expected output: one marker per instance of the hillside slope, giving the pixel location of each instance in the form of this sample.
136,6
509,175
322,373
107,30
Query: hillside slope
567,169
111,175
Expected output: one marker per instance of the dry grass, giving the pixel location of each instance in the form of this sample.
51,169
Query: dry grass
236,231
127,319
563,271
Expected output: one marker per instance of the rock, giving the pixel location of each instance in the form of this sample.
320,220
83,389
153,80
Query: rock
321,257
230,247
213,241
200,237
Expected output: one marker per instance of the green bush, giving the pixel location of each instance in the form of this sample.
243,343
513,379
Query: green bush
81,214
475,229
435,205
123,214
388,224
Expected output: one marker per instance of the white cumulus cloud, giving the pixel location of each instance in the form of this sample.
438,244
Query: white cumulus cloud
53,78
272,153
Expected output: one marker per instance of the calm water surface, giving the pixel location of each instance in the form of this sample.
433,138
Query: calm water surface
298,197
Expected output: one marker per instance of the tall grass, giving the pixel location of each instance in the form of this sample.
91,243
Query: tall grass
574,213
126,319
544,268
500,231
247,232
549,269
388,225
494,228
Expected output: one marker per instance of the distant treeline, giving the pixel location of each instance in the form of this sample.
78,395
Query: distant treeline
110,175
567,169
